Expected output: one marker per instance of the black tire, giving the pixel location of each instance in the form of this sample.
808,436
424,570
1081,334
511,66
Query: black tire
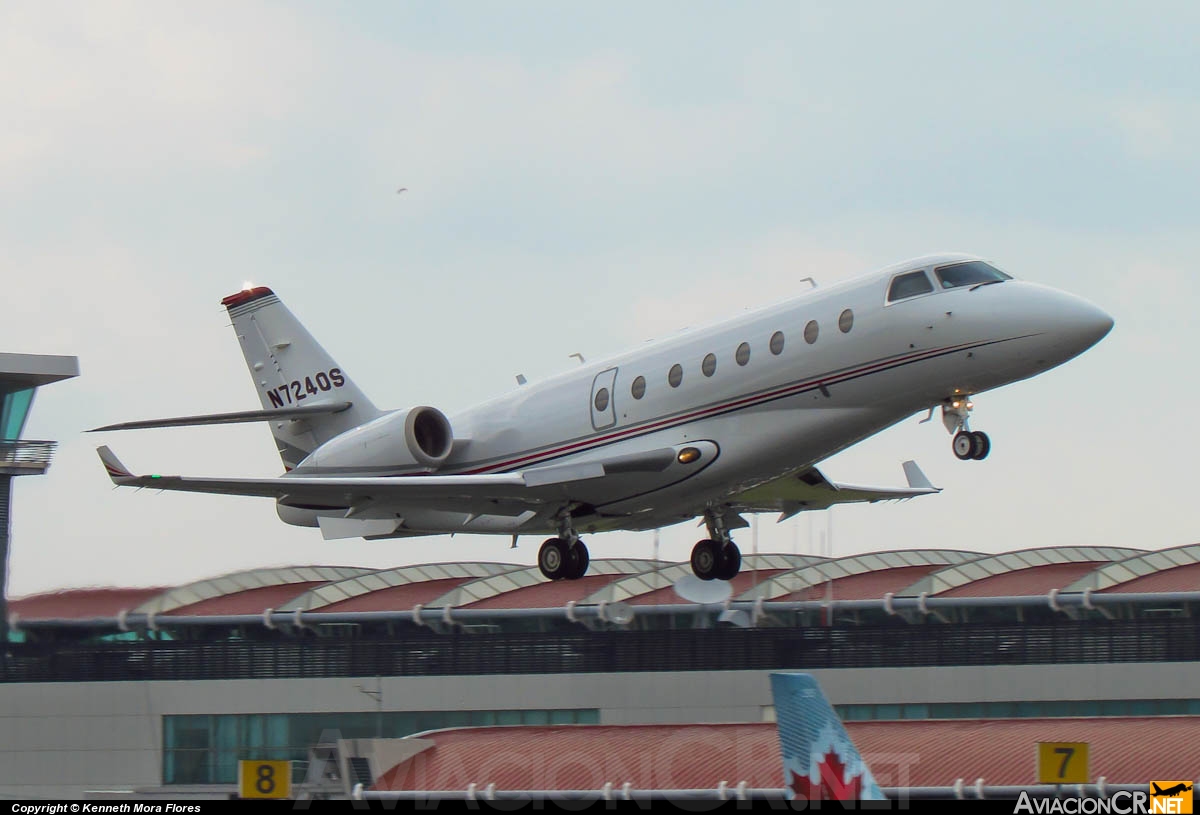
553,560
706,559
731,562
981,446
964,445
577,561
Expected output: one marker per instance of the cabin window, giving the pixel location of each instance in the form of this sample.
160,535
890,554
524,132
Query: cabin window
811,331
909,285
742,355
971,273
709,365
601,400
675,375
638,389
776,343
846,321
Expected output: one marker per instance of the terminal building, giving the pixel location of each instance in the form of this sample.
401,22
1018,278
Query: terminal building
946,665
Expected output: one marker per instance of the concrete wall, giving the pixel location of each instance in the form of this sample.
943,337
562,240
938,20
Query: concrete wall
62,739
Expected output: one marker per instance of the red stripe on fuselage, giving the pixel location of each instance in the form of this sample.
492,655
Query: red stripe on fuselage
735,404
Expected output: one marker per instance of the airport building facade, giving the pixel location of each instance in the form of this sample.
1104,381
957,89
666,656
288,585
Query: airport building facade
166,689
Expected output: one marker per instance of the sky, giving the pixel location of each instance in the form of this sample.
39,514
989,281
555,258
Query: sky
580,178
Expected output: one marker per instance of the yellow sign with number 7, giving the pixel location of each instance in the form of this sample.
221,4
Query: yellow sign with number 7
1062,762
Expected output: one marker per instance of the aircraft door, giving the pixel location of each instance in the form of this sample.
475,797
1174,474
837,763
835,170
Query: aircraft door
604,411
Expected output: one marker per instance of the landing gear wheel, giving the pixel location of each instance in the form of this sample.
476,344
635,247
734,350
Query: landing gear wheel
553,559
706,559
730,562
577,561
981,445
964,445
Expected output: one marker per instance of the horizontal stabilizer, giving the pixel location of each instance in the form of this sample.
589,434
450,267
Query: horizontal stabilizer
232,418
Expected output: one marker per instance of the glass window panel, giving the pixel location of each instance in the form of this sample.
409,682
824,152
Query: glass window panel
535,717
1141,707
590,716
13,411
1053,708
562,717
909,285
506,717
971,273
1000,710
458,718
483,718
915,712
887,711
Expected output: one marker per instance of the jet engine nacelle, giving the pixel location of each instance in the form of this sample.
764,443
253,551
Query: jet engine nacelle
419,435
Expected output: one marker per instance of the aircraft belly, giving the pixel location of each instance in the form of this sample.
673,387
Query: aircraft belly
756,447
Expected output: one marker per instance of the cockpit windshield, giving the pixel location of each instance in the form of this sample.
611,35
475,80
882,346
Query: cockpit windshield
969,273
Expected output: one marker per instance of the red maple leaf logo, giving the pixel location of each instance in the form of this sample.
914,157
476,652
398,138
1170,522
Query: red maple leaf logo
831,786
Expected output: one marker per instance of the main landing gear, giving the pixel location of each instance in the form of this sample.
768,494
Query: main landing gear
717,558
564,557
967,444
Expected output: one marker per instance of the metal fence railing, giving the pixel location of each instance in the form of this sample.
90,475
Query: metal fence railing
1066,641
24,455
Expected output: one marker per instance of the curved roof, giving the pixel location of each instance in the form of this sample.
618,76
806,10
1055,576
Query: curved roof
978,577
654,586
385,583
278,583
1163,570
930,753
528,588
80,604
946,573
900,564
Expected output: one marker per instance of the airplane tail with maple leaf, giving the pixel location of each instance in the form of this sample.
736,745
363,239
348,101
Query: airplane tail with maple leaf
820,762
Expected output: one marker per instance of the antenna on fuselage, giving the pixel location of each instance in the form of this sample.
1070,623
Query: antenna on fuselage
809,281
578,356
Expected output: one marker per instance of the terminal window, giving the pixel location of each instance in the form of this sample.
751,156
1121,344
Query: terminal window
206,749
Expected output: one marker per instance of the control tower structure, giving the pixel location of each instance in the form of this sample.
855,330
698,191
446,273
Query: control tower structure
20,377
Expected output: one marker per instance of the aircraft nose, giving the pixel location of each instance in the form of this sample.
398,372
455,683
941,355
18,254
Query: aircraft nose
1078,324
1088,323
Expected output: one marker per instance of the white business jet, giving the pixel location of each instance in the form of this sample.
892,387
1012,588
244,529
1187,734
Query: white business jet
714,423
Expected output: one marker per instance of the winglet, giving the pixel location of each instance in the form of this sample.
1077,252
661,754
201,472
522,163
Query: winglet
819,759
116,470
917,479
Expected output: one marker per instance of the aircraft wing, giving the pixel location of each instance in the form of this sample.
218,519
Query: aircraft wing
812,490
498,493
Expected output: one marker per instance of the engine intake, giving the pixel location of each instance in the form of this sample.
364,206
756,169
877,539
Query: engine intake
428,434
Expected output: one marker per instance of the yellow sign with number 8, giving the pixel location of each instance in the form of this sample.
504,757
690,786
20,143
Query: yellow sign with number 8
264,779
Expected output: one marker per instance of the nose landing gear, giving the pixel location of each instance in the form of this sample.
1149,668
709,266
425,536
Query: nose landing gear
967,444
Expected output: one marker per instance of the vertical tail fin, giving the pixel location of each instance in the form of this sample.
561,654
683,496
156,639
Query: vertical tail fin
819,760
289,369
